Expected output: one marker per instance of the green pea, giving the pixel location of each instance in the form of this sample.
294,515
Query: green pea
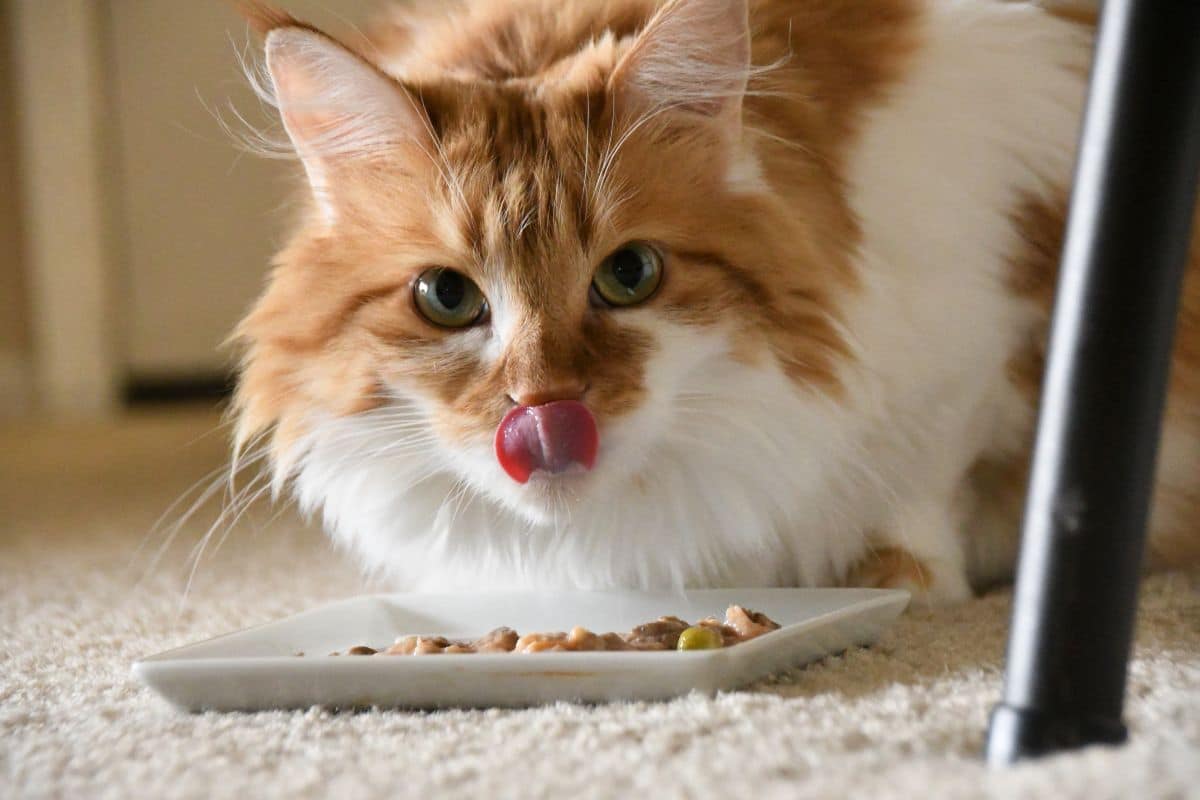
699,638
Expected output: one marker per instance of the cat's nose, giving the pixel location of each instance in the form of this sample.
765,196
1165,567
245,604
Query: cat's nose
541,395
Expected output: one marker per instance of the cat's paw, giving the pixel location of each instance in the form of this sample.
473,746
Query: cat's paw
931,582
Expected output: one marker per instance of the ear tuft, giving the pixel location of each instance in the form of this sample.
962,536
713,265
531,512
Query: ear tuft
264,18
693,55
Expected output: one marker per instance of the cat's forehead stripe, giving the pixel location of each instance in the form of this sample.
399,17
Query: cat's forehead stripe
525,173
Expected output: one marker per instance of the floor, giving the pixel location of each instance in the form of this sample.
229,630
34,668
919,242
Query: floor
90,580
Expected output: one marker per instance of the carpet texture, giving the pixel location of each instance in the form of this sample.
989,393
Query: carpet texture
79,602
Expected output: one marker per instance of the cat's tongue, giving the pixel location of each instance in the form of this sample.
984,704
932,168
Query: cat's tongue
549,437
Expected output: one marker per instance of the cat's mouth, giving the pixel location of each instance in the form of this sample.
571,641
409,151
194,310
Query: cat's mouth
550,438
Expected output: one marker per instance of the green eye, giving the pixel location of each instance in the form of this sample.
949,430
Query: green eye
448,298
629,275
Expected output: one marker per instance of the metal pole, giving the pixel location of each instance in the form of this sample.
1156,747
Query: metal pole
1093,466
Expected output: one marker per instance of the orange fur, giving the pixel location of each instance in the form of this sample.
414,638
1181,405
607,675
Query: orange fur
890,568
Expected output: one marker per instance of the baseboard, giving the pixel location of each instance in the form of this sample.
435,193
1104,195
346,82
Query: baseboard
16,385
165,389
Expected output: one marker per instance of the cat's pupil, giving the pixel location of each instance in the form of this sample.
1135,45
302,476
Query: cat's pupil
450,289
627,268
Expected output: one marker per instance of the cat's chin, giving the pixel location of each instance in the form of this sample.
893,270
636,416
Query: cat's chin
546,497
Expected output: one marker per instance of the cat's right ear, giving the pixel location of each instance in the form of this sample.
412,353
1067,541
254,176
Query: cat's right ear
337,108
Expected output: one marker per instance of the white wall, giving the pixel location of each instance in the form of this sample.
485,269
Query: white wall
15,387
199,220
60,129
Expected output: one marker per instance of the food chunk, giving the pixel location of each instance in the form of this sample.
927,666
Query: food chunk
501,640
749,624
662,634
700,637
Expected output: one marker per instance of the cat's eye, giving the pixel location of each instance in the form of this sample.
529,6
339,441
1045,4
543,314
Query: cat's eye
629,275
448,298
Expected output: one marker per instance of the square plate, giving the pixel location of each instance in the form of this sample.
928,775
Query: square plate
258,668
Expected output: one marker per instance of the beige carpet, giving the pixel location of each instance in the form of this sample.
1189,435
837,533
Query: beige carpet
904,719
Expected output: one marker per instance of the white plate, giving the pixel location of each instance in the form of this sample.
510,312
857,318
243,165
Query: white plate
258,668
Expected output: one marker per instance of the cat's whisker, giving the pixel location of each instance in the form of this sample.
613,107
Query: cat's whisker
256,448
400,434
441,162
454,498
281,509
247,505
587,149
526,221
221,479
230,511
397,451
596,183
411,418
225,523
427,475
230,517
785,142
169,535
215,475
217,480
702,91
613,151
402,424
409,431
403,432
359,445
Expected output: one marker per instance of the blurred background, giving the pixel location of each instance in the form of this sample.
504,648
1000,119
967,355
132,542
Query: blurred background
133,236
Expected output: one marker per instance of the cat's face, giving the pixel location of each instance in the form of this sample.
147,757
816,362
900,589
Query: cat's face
499,245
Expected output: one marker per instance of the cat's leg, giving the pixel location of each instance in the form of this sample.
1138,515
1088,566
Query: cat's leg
993,498
920,551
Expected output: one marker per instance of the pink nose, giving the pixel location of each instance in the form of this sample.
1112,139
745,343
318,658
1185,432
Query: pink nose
549,437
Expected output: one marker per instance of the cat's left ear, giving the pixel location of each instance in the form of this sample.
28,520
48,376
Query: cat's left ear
693,56
337,107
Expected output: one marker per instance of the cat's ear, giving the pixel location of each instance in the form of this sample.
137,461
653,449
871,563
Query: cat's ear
694,56
336,107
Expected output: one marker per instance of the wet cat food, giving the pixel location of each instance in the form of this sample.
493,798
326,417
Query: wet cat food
665,633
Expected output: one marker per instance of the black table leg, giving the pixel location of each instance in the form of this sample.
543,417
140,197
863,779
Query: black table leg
1109,354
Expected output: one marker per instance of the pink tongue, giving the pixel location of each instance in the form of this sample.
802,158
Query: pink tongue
550,437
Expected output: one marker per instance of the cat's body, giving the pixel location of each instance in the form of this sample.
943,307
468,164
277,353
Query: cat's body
836,379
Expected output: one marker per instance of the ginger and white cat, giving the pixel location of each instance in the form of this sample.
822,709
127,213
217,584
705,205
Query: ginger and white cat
632,293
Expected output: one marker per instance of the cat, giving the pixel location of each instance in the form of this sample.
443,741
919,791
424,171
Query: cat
693,293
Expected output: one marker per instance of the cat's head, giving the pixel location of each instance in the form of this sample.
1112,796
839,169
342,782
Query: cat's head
592,222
